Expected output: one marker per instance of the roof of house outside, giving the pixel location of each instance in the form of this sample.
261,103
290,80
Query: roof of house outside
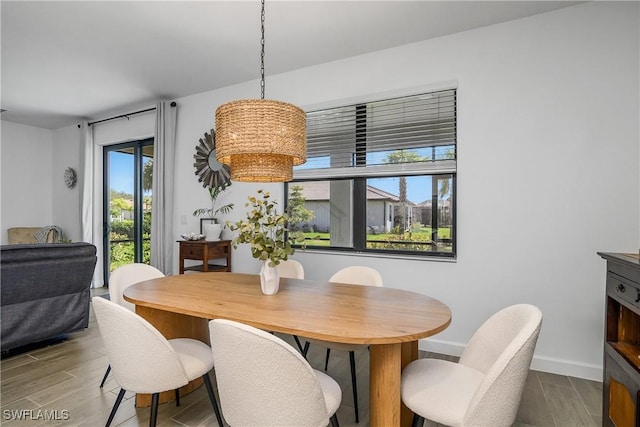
319,190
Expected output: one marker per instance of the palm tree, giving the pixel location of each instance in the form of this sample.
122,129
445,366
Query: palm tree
444,186
403,156
147,175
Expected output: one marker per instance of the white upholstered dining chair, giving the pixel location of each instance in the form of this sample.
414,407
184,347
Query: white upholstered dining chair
291,269
354,275
119,280
123,277
485,386
144,361
263,381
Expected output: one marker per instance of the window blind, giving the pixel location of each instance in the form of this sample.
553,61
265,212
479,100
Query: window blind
409,134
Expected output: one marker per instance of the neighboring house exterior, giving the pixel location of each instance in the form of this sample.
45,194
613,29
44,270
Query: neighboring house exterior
423,213
382,207
384,210
121,209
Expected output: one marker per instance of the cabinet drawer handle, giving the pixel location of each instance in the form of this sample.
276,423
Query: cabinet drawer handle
620,287
638,299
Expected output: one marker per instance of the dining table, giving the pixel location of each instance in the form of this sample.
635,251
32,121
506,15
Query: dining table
390,321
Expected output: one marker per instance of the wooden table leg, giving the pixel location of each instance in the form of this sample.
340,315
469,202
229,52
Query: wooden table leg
173,325
409,354
384,387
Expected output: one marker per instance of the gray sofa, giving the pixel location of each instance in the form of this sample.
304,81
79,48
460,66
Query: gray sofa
45,291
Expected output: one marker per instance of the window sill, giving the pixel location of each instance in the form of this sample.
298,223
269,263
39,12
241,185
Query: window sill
379,255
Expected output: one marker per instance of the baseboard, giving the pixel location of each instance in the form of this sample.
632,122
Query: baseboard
570,368
441,347
539,363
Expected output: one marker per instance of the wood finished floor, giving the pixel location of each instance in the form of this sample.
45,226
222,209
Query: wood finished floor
65,377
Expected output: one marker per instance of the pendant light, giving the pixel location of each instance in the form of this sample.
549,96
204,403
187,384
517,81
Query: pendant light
261,139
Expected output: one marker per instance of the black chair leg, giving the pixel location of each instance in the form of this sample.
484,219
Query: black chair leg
305,350
326,359
418,421
115,407
177,397
106,374
212,397
354,383
154,409
334,421
295,337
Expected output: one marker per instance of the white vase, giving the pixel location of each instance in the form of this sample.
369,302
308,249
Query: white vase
269,279
212,231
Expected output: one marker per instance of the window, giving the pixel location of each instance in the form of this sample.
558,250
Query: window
127,181
380,177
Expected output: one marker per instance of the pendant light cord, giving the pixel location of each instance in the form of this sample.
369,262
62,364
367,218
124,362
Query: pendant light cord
262,53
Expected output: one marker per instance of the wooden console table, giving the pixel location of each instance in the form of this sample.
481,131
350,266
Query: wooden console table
205,251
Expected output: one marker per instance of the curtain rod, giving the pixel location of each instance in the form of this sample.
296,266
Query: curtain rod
122,115
173,104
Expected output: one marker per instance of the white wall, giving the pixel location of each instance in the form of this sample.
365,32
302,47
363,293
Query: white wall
26,177
33,190
548,168
66,201
138,126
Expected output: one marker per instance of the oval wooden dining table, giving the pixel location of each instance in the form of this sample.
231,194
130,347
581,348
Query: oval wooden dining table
390,321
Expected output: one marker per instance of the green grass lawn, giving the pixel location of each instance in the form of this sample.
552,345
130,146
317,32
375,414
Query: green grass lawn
419,235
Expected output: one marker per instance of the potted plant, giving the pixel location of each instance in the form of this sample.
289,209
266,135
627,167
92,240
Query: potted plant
271,240
212,230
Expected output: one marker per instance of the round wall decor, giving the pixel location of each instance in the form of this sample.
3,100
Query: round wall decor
211,173
70,177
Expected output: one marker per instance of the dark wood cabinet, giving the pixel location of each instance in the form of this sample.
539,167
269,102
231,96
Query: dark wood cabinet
214,256
621,389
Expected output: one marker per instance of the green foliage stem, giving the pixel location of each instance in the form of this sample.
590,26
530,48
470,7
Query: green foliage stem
266,230
214,192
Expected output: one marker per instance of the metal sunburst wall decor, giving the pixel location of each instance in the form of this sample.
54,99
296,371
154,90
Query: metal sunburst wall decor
211,173
70,177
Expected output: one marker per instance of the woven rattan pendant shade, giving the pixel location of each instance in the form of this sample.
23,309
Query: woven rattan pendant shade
260,139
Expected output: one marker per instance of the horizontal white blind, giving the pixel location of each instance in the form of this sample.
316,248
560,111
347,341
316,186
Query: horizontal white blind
393,132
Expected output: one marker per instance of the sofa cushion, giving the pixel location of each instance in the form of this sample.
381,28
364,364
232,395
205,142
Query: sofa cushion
35,271
33,253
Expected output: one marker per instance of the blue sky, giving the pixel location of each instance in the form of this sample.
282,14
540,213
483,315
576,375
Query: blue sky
121,172
418,187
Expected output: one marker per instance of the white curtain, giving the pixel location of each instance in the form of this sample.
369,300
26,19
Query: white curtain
162,239
87,192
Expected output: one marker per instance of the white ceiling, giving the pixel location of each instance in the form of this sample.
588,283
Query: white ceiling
64,61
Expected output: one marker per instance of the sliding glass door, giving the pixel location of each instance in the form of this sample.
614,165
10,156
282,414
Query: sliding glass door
128,171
